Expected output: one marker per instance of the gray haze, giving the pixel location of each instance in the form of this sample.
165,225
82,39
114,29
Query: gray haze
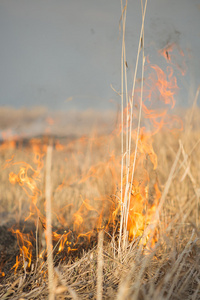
65,54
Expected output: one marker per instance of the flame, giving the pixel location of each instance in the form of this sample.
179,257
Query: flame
171,58
59,146
159,90
26,181
81,214
8,140
25,257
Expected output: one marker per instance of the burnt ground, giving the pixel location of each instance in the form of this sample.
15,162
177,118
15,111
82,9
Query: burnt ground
76,246
8,249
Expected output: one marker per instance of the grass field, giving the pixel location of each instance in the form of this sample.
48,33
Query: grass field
85,182
104,205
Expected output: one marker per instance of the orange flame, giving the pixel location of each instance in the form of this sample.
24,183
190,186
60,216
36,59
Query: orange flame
159,93
25,257
172,58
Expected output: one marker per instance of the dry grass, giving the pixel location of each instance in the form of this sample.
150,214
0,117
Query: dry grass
170,270
24,122
84,188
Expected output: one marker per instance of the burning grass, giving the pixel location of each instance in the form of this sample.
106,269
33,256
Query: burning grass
107,216
166,269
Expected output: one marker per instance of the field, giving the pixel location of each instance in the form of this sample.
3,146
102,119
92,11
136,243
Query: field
161,259
104,205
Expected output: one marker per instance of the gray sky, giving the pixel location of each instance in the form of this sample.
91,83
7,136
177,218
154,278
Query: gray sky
51,51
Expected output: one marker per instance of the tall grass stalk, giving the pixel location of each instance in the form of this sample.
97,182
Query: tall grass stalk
123,61
49,225
100,267
126,154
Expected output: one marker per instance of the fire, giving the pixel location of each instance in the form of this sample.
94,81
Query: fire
100,206
173,59
159,90
25,257
26,181
8,140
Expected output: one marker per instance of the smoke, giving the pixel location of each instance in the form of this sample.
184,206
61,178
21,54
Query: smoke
164,33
